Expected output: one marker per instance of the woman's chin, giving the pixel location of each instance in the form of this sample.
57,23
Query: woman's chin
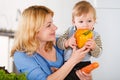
52,39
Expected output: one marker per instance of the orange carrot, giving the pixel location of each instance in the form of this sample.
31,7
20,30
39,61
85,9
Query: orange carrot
89,68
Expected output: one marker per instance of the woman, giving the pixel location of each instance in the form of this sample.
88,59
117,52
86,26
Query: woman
34,49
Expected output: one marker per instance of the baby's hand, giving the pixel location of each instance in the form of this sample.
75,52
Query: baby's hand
71,42
90,44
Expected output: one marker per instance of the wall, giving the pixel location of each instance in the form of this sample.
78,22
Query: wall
62,9
3,50
108,17
108,25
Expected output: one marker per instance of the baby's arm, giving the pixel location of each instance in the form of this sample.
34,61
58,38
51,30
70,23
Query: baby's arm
96,52
64,41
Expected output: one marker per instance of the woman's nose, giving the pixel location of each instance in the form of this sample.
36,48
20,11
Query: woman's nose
54,27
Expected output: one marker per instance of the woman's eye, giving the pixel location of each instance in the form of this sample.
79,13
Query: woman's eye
49,25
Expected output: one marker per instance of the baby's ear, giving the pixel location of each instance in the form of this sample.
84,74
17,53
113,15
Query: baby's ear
73,22
92,28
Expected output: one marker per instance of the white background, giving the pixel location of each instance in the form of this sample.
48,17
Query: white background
108,25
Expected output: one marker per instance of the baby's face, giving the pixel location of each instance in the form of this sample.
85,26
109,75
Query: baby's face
85,21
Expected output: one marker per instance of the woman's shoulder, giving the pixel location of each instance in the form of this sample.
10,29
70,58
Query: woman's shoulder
23,58
34,65
21,55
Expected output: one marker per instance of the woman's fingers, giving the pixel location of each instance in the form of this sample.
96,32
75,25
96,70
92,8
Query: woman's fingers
83,76
84,50
74,49
80,75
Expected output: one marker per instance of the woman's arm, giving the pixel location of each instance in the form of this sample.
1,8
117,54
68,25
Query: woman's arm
62,72
27,64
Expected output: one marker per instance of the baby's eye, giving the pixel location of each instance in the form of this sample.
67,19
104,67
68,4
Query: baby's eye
89,20
80,21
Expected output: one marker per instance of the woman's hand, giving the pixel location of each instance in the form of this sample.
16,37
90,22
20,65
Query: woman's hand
83,76
78,54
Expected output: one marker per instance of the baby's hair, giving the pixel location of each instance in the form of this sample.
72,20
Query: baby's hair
83,7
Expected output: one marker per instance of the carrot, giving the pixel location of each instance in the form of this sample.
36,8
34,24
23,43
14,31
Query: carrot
89,68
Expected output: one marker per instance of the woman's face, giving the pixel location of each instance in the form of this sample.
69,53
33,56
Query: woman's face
84,21
47,31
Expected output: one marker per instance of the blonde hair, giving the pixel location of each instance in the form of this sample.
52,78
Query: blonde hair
83,7
31,20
